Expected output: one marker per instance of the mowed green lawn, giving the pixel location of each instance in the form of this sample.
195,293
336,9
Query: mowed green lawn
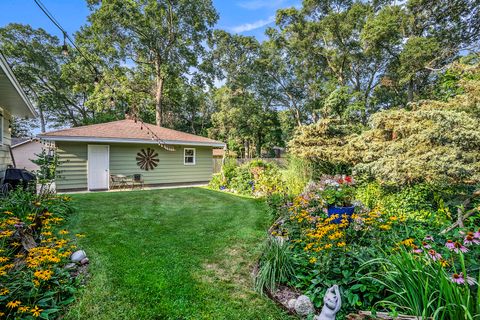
170,254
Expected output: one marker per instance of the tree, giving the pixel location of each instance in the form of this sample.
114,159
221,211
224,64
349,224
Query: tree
35,57
433,141
162,37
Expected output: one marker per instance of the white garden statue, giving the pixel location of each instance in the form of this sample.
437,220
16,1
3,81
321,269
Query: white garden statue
332,303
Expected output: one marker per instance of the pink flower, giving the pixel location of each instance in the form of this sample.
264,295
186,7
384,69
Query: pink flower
450,244
476,235
457,278
460,279
434,255
416,249
426,245
459,247
469,239
428,238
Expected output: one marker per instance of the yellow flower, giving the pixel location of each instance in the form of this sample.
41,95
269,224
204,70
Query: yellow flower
385,227
43,275
407,242
444,263
3,259
13,304
4,291
36,311
328,246
341,244
23,309
63,232
8,212
81,235
313,260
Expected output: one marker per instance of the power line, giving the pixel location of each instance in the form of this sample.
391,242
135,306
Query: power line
50,16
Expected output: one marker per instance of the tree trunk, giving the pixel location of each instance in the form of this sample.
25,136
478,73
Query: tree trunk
410,90
159,101
42,119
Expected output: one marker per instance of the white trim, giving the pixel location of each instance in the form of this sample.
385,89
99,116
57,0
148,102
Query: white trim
120,140
2,116
194,157
13,80
108,161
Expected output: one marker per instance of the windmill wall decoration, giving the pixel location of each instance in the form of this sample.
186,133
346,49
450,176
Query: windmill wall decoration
147,159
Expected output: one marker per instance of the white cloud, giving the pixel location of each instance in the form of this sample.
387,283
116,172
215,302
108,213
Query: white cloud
258,4
253,25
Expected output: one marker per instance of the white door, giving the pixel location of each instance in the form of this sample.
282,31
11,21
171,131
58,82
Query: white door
98,167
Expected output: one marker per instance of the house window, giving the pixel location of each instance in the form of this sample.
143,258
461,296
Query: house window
189,156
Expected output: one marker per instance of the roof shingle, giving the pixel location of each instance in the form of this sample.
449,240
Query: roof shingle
126,130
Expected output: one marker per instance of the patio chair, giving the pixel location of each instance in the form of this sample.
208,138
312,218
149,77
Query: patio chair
137,180
115,182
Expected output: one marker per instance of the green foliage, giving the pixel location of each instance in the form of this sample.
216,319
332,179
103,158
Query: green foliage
34,248
47,165
276,265
433,203
433,142
420,286
324,143
297,174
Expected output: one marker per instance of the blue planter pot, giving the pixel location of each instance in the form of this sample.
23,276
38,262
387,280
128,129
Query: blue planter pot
341,211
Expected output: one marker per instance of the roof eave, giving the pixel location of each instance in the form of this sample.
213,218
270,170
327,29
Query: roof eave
13,80
118,140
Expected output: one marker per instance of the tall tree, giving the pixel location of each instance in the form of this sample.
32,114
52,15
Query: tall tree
166,37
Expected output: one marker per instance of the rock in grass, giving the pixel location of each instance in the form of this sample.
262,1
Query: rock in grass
78,256
70,266
291,304
303,306
84,261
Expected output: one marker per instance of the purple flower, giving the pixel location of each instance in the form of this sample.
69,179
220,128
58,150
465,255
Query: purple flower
460,279
416,249
457,278
476,235
428,238
460,248
450,244
426,245
434,255
222,187
469,240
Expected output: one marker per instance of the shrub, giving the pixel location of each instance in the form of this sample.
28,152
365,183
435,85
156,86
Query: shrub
34,249
276,265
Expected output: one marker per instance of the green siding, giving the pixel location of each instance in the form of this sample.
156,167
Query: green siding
5,158
73,164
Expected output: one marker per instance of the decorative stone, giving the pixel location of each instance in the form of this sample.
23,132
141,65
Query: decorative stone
291,304
332,303
84,261
303,306
70,266
78,256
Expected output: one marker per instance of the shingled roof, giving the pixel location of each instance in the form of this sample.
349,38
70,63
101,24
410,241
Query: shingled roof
128,131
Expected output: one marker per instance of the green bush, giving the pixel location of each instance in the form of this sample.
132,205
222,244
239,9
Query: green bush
276,265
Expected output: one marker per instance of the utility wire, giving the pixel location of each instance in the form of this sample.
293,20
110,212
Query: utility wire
50,16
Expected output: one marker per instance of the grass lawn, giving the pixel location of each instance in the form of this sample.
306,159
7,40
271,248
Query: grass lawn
170,254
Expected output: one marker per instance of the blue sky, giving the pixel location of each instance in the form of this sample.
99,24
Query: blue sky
246,17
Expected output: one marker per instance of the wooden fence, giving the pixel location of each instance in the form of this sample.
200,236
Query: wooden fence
217,162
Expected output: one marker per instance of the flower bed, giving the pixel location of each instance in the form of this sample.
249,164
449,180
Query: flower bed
34,249
381,259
